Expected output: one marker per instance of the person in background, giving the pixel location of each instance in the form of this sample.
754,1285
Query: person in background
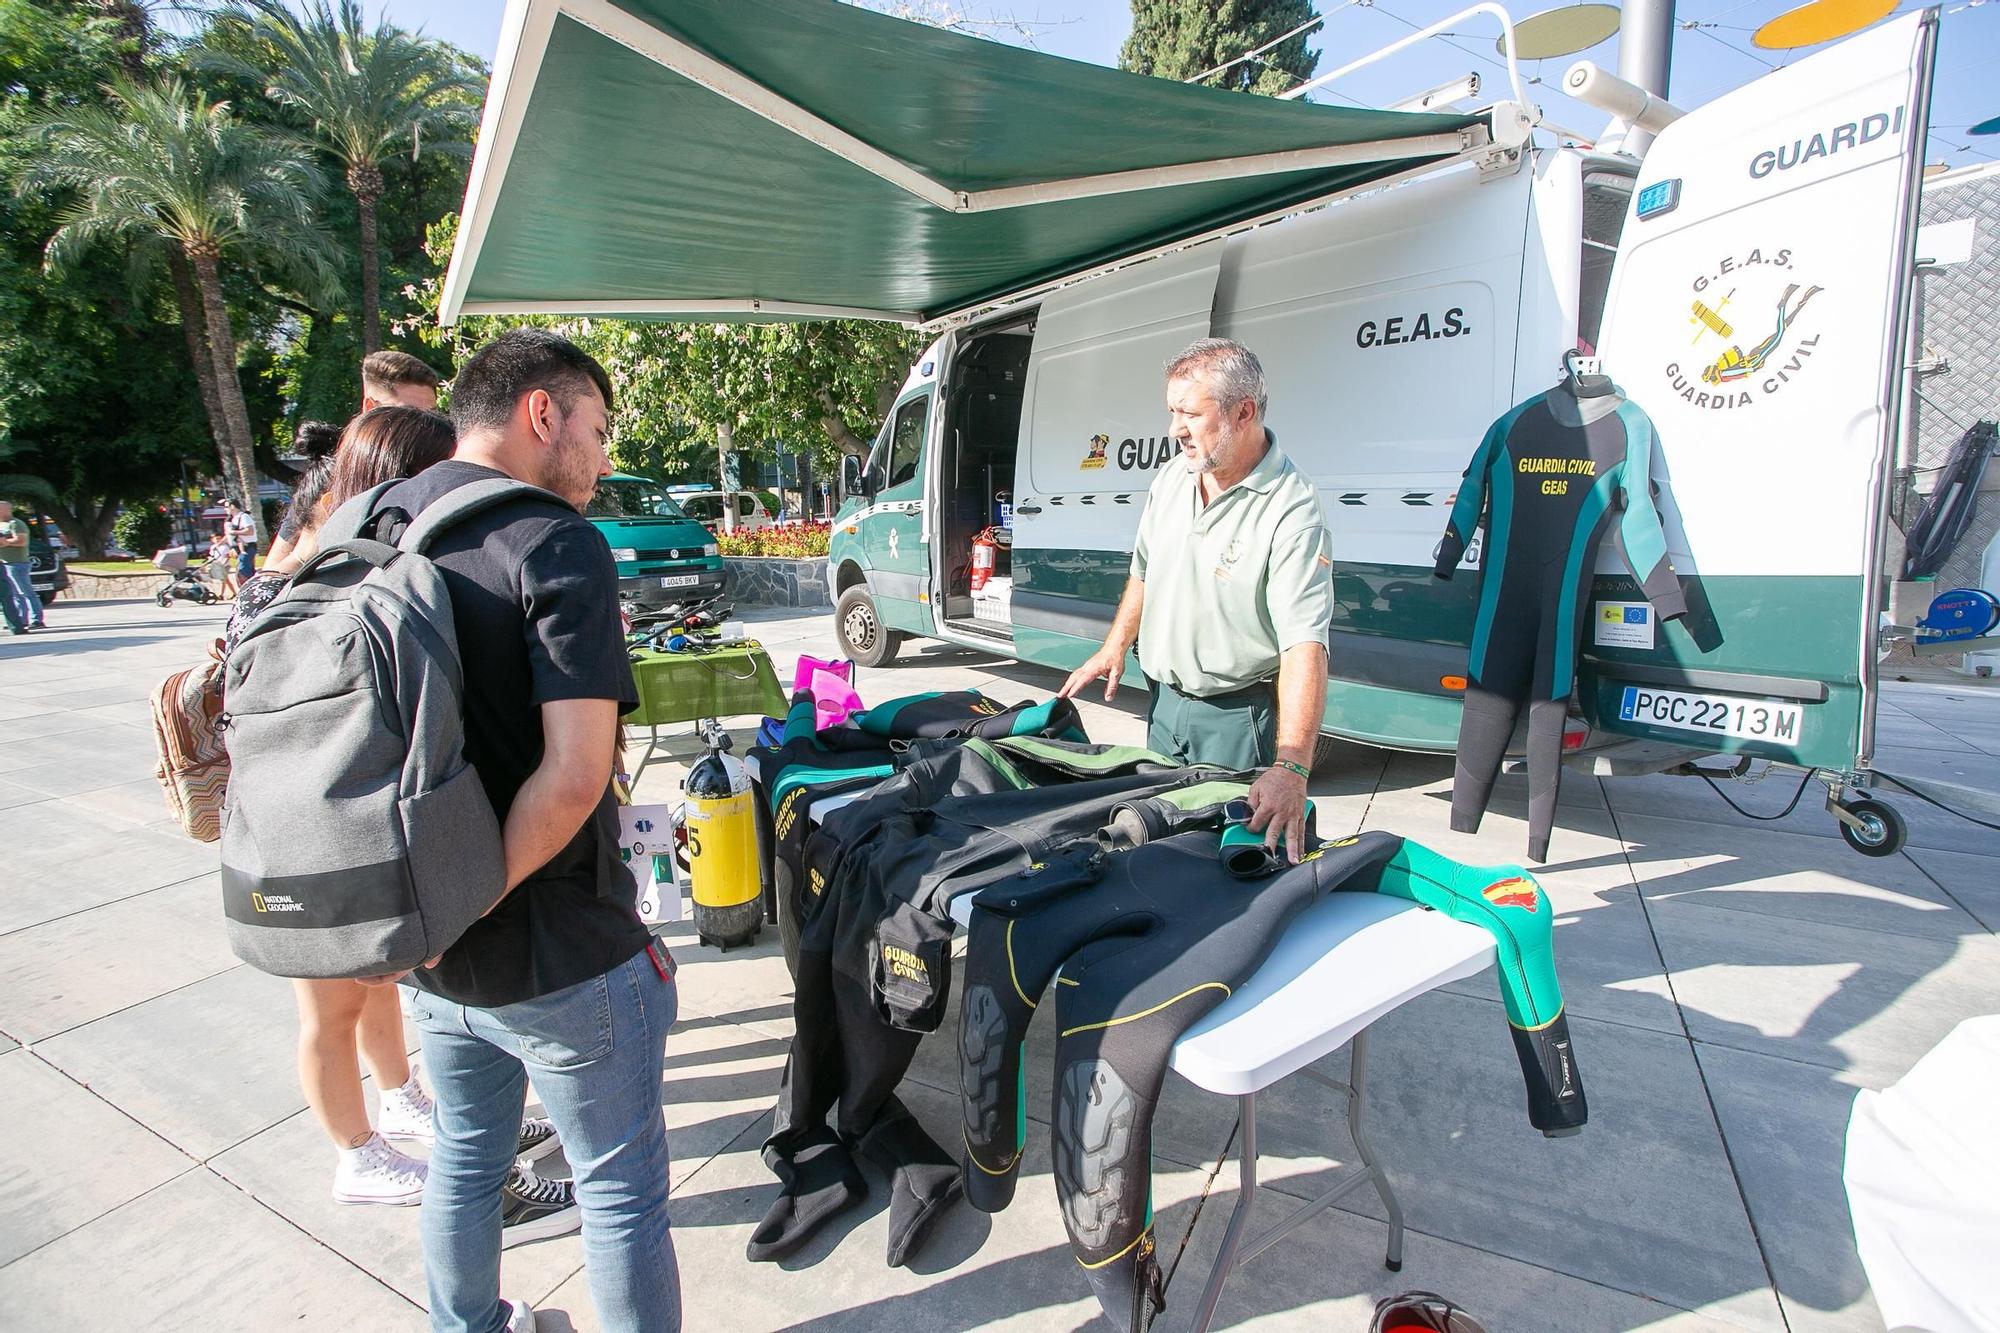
336,1017
242,530
315,442
17,587
391,377
559,984
222,561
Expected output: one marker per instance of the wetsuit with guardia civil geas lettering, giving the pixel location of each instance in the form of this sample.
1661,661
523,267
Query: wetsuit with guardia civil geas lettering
1553,476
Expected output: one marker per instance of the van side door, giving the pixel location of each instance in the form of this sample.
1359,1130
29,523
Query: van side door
1757,314
893,536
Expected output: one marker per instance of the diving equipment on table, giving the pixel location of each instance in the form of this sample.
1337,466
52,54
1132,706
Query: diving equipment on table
1552,474
873,966
944,714
812,763
722,846
1139,944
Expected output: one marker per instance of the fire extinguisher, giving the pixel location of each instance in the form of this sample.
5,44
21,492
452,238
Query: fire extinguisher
722,847
984,549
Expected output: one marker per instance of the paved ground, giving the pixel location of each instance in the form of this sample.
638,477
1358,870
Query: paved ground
1731,984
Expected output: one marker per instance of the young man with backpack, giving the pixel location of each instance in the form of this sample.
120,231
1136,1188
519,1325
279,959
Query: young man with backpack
558,984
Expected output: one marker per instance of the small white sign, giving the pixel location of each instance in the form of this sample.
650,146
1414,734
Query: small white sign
646,843
1624,625
1947,242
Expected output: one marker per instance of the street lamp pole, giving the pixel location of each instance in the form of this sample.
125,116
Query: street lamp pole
1645,54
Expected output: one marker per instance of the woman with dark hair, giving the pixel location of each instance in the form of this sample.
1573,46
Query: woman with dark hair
385,443
340,1019
315,442
377,446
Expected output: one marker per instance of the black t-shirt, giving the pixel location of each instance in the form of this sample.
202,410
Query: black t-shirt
534,596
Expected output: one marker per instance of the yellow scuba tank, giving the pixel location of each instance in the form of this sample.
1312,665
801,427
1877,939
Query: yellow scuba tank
722,847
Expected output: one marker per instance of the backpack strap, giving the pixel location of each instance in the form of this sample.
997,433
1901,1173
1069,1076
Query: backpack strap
379,555
345,523
463,502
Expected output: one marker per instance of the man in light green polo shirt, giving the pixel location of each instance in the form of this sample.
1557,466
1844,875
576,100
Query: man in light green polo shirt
1231,593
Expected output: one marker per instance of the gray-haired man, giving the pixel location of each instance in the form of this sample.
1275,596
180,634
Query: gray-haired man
1230,594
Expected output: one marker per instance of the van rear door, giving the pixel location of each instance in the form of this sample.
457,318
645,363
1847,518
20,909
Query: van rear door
1093,436
1757,313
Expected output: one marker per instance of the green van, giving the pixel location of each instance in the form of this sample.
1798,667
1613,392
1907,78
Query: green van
663,556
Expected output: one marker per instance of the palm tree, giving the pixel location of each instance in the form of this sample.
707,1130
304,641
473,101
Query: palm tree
368,95
161,163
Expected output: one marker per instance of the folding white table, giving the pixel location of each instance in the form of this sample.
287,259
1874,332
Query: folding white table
1344,962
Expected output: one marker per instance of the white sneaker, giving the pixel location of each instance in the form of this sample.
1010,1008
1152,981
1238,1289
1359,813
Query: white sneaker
406,1113
520,1316
376,1173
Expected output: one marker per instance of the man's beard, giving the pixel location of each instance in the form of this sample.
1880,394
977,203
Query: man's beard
572,473
1200,463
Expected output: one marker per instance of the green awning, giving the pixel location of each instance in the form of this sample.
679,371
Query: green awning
795,158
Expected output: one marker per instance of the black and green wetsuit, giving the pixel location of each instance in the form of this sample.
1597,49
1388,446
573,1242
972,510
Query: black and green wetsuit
1136,946
1551,475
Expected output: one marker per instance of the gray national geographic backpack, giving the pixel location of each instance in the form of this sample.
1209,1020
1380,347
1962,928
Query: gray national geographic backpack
357,840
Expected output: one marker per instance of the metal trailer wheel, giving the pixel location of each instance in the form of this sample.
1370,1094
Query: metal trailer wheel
863,637
1882,831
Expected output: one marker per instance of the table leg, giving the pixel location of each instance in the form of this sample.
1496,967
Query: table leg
1357,1078
652,743
1232,1239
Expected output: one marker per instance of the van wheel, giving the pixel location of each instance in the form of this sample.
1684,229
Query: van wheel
1330,751
863,637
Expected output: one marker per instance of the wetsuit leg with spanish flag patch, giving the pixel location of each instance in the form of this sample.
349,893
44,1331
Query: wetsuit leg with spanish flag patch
1146,942
1506,901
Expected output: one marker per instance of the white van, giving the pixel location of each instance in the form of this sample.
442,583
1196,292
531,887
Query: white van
1747,283
706,506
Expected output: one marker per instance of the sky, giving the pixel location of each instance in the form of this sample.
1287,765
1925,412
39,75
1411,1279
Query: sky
1712,51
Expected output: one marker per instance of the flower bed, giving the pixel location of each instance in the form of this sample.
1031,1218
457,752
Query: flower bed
794,541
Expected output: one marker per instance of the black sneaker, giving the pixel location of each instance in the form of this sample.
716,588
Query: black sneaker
538,1140
532,1208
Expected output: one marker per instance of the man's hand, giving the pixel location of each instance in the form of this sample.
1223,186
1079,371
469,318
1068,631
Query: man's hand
391,978
1278,809
1106,663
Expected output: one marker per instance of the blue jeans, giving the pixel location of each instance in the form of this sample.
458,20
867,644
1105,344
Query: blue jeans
593,1054
23,606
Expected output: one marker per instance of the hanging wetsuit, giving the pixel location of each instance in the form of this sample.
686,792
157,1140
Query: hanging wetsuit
1147,941
874,955
1552,474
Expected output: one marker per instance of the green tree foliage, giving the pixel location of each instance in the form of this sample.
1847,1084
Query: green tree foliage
686,390
162,165
1178,39
365,96
97,402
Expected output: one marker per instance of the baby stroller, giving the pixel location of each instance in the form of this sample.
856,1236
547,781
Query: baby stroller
187,584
